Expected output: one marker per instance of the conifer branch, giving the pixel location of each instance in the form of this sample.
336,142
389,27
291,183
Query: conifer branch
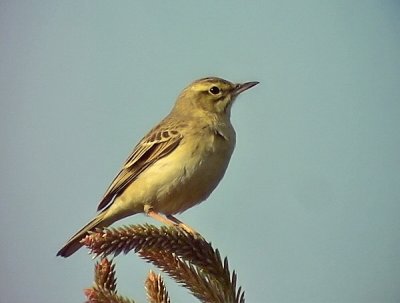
104,275
105,284
189,259
202,285
98,294
156,290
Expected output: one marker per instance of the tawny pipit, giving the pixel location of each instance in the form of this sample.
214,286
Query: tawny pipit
178,164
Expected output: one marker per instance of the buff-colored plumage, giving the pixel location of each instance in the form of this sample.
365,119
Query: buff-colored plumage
177,164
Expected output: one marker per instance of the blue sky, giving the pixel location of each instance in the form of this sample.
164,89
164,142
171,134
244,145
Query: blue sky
309,208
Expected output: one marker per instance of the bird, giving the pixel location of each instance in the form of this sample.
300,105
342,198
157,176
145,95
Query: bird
177,164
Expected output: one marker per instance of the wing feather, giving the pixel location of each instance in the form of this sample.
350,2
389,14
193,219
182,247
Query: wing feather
158,144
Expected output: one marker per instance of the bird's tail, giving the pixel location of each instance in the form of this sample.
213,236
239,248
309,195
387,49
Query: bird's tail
74,244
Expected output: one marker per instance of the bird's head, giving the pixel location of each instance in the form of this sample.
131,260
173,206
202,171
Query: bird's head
212,94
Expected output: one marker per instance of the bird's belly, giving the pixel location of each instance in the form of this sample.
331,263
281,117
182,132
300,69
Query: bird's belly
188,177
178,181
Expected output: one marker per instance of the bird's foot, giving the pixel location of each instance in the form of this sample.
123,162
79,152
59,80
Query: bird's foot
183,226
171,220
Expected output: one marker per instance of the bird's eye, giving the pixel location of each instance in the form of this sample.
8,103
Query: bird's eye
215,90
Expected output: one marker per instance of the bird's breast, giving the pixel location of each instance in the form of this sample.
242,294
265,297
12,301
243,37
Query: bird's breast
194,169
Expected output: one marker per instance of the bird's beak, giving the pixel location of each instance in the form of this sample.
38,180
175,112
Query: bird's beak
241,87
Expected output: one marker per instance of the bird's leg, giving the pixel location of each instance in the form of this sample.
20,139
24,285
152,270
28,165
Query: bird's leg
156,216
182,225
169,220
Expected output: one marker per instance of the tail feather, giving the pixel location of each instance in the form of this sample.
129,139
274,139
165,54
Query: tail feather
74,244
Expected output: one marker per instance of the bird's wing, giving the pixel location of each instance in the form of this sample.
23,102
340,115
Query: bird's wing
159,143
